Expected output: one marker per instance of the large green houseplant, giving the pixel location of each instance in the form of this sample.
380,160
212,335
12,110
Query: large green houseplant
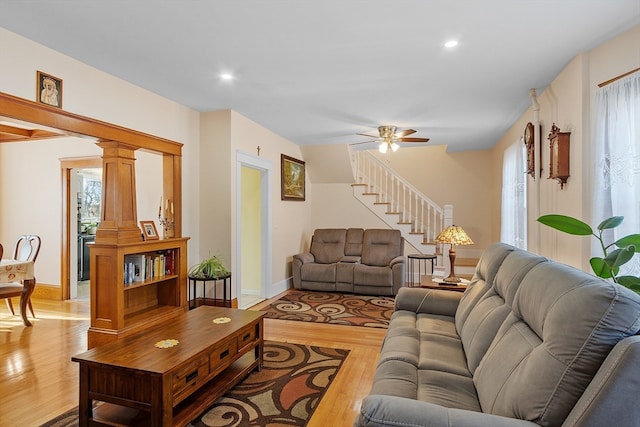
615,254
210,268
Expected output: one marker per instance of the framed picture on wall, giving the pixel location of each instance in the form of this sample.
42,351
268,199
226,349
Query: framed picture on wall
48,89
292,178
149,230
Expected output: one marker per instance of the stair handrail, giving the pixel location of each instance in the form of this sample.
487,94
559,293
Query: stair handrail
373,173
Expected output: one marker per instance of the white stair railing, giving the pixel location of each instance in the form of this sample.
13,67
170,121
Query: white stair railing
423,215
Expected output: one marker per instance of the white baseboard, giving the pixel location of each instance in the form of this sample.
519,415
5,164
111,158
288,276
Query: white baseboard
278,288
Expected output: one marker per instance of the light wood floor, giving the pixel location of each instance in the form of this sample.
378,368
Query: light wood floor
38,380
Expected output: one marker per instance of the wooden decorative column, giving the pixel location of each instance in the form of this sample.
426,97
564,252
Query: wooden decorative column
119,220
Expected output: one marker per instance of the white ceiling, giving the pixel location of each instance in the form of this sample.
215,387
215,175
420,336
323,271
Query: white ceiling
319,72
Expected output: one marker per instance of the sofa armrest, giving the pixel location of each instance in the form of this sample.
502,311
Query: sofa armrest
432,301
614,390
304,257
296,267
392,411
396,260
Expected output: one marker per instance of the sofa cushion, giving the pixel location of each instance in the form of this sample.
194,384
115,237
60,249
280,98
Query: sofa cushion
353,244
482,279
379,247
442,353
447,389
493,307
327,245
563,324
313,272
371,275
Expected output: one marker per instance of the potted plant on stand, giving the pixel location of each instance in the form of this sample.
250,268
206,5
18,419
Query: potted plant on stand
615,254
210,268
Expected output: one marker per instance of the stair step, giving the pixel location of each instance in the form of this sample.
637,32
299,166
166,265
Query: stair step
359,185
381,203
370,194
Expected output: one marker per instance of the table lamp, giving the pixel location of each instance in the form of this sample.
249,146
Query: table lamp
453,235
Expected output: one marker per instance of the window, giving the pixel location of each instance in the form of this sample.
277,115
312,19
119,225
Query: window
514,196
616,155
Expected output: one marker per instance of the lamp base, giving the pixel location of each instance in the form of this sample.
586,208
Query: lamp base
452,279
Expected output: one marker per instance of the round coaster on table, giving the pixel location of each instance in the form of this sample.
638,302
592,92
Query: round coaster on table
220,320
167,343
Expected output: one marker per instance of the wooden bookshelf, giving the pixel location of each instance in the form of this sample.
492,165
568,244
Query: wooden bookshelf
119,308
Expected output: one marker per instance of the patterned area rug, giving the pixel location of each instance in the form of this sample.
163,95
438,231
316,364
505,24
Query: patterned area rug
335,308
285,393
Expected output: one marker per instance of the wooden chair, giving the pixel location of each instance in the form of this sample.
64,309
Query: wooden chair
27,248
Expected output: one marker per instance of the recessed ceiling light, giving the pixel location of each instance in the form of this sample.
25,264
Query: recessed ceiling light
451,43
226,76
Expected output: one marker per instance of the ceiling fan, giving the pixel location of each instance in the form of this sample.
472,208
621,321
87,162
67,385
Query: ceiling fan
389,136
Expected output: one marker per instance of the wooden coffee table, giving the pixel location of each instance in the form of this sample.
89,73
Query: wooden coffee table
146,385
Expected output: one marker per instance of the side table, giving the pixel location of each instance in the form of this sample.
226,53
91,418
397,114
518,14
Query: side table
457,288
434,283
197,302
419,258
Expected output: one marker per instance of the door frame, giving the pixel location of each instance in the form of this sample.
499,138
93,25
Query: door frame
266,171
66,166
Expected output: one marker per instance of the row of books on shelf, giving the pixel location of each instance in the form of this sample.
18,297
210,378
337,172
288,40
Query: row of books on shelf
149,265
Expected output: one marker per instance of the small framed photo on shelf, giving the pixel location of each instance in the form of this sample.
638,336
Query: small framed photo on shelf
48,89
149,230
293,178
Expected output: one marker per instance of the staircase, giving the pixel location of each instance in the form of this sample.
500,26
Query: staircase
402,207
399,204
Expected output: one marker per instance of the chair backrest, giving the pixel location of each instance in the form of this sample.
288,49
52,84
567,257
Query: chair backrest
27,248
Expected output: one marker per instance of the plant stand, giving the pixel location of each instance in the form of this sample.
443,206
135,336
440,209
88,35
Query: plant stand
194,301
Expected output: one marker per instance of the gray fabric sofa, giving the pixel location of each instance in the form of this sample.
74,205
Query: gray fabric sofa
530,342
353,260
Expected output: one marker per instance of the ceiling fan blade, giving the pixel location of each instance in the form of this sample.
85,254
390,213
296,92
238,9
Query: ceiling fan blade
369,135
363,142
404,133
413,139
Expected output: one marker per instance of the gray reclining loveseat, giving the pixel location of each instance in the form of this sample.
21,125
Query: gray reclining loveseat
530,342
352,260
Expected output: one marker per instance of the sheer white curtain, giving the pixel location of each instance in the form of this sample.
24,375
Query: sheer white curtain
616,146
514,196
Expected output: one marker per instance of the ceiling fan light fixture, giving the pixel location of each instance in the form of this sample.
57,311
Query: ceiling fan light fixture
383,147
394,147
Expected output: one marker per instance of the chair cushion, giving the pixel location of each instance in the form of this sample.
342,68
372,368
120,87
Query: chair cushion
10,289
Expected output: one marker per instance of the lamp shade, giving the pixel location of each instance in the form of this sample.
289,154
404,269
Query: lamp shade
454,235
